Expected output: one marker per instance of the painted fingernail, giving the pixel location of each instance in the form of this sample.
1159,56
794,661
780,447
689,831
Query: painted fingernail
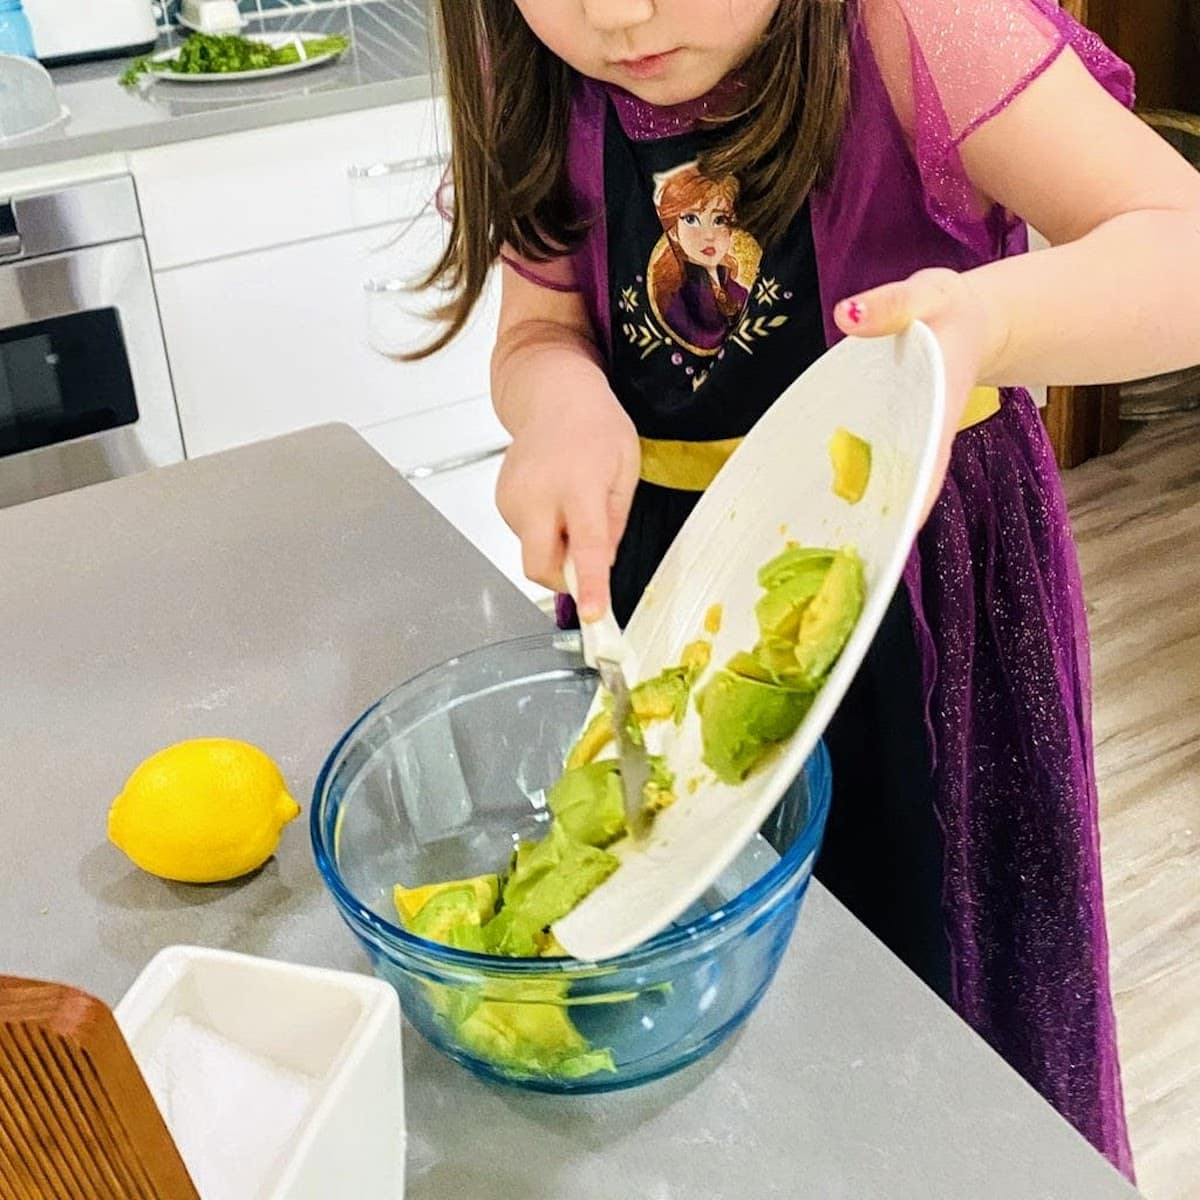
855,312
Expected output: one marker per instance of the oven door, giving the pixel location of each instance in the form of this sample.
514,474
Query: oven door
85,391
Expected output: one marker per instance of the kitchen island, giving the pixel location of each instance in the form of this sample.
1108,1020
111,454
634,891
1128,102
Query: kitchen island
271,593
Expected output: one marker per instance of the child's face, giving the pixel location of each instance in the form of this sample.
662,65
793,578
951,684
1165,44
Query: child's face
705,235
664,51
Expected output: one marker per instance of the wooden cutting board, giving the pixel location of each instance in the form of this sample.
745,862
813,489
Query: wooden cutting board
77,1121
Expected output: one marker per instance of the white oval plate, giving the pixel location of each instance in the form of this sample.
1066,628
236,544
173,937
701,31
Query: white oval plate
777,487
271,39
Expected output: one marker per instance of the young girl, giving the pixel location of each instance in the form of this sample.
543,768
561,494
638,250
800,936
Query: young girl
887,154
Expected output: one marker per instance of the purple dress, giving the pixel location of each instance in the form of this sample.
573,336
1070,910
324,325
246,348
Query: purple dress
993,582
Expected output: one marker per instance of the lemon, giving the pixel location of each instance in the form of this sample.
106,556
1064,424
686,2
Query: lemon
201,811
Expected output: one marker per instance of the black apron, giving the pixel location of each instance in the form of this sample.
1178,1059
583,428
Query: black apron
707,331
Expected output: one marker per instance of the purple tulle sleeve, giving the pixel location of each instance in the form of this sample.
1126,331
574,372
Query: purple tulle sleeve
949,67
558,274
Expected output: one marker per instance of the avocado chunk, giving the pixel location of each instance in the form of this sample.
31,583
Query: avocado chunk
792,561
713,618
588,804
659,792
662,698
595,737
546,882
695,658
851,459
513,934
468,937
810,607
531,1032
780,608
812,599
465,904
450,907
750,666
829,618
410,901
742,720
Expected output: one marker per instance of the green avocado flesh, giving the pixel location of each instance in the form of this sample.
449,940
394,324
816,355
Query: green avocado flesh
811,601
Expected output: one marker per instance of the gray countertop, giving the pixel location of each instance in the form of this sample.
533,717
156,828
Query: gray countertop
273,592
388,63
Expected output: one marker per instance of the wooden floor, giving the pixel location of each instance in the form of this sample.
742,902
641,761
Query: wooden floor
1137,520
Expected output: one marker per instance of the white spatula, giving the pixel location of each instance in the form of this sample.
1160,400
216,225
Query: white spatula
777,487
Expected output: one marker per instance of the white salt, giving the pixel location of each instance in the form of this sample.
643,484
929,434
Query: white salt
231,1112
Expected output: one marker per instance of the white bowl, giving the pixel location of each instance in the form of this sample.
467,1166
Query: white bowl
337,1033
29,105
211,16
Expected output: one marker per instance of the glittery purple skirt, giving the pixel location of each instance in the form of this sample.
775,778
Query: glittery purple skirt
1002,634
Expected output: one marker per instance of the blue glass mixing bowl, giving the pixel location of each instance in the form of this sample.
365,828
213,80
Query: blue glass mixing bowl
439,779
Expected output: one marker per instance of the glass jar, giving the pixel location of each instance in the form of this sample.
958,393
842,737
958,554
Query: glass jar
16,36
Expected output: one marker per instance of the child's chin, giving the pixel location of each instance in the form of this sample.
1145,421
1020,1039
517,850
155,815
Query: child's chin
674,86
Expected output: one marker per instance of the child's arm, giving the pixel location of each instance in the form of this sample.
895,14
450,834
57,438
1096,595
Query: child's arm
568,477
1118,297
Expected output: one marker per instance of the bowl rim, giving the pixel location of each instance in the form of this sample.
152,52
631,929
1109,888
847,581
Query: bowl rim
743,906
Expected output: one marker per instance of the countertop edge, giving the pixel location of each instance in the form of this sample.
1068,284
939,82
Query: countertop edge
283,111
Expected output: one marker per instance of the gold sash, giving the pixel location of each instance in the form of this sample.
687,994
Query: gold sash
692,466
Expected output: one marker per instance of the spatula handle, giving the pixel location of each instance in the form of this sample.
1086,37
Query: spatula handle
602,638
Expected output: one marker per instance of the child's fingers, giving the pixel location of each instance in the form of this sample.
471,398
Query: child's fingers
893,307
590,546
542,551
620,501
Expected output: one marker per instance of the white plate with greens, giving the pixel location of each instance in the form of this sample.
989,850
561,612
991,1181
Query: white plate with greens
228,58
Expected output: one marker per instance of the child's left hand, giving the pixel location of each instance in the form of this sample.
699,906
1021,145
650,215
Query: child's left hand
971,337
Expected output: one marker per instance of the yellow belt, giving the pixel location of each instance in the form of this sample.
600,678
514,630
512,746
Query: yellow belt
692,466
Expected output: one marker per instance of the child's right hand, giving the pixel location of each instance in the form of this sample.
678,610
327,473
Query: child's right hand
566,486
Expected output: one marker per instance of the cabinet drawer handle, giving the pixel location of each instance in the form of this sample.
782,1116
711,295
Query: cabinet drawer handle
453,464
379,287
379,170
10,235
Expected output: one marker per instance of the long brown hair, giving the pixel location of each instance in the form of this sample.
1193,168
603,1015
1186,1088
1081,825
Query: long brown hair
509,100
686,190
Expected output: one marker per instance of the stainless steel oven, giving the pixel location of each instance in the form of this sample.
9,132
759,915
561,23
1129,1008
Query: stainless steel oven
85,390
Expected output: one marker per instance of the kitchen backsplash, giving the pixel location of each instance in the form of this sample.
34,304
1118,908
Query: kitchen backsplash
165,10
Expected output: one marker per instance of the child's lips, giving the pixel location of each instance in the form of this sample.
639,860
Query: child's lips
709,250
648,66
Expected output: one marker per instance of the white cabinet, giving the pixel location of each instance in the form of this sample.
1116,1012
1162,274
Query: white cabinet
221,196
280,259
265,343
